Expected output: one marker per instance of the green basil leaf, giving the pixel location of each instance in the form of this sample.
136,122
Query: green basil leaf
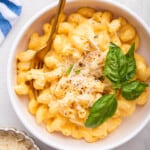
117,86
116,64
77,71
131,69
69,69
133,89
102,109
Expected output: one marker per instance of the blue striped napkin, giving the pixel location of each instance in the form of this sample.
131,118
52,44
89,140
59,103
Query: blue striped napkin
9,12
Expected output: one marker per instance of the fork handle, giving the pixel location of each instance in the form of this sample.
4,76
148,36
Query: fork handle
55,25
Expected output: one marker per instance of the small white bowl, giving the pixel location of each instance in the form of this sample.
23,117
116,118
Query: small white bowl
129,127
14,136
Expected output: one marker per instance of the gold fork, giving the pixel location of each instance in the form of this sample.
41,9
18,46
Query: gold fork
38,60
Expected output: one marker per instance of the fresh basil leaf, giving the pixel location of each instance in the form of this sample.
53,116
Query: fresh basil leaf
116,64
102,109
133,89
77,71
131,69
69,69
117,86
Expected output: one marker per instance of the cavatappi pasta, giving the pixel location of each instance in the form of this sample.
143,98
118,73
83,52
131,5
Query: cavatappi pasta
69,84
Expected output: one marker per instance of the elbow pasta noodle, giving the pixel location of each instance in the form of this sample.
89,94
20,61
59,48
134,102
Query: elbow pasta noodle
67,84
86,12
136,40
65,28
76,18
82,113
97,16
103,40
21,77
142,99
33,106
26,56
45,97
113,123
41,113
126,107
114,25
106,17
143,71
23,66
21,89
47,28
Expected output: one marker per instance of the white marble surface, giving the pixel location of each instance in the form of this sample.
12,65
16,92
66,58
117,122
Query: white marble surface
7,116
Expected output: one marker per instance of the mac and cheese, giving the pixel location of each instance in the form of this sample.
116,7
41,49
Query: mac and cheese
69,84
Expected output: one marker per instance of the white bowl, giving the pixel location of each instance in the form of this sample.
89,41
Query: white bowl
129,127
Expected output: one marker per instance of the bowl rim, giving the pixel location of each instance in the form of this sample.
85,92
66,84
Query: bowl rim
10,60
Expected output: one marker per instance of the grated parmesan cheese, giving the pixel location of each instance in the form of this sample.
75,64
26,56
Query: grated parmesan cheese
84,86
11,143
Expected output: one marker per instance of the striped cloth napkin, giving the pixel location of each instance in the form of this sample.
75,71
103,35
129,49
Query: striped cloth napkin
9,12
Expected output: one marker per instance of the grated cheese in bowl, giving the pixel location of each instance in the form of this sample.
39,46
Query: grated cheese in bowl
11,139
